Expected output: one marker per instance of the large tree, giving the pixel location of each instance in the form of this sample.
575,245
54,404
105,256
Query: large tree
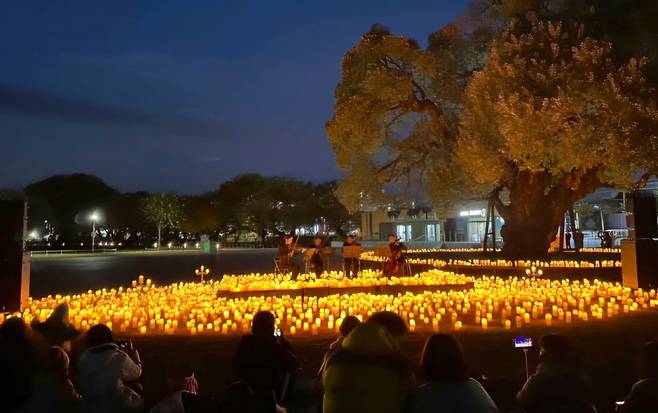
164,211
550,118
395,121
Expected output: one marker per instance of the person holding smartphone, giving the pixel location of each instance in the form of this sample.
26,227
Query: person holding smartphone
265,358
108,372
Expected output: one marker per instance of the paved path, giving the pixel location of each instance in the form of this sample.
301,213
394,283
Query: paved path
78,273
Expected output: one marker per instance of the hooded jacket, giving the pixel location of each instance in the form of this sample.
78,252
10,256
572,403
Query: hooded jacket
103,372
368,374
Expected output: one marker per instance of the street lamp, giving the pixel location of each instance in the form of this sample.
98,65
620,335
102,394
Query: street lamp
95,216
202,271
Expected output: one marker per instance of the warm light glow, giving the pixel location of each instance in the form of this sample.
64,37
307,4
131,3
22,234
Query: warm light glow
201,308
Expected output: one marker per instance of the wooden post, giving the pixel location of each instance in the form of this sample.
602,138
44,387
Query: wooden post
486,228
493,226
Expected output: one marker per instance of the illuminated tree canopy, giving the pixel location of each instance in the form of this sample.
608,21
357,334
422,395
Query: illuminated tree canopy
550,117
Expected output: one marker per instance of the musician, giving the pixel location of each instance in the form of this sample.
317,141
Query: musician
315,256
285,253
394,265
351,264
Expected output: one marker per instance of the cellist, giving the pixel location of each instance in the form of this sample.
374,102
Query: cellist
394,264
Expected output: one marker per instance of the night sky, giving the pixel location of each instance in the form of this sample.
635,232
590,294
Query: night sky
181,95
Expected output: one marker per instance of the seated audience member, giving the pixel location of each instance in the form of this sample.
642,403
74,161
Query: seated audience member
448,384
56,330
643,397
18,364
106,371
53,390
349,323
391,322
264,360
240,398
179,387
367,374
557,385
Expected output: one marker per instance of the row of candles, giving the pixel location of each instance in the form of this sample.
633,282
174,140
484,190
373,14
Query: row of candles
452,250
196,308
335,279
370,256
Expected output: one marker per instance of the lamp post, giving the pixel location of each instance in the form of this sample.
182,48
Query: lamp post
202,271
93,217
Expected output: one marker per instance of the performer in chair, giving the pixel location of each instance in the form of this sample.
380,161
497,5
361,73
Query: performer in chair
396,261
285,253
351,263
315,256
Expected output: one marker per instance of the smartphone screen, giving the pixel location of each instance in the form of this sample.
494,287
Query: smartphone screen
522,342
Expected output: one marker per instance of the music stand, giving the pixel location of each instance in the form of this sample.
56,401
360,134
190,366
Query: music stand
352,252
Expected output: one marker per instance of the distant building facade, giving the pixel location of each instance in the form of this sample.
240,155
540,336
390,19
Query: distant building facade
467,226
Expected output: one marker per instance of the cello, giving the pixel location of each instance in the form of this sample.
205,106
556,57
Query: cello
395,261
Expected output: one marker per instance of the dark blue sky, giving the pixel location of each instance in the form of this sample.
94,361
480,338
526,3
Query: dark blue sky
181,95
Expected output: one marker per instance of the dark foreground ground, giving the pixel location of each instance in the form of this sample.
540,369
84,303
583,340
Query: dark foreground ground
608,349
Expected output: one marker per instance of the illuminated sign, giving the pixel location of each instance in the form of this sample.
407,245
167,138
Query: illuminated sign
473,213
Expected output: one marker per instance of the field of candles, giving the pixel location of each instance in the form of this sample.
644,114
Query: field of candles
473,303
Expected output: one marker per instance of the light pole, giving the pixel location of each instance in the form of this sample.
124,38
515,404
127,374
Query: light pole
601,215
93,217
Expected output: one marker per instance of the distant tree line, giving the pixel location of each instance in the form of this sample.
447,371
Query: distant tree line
250,206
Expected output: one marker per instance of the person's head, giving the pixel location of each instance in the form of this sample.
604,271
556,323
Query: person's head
390,321
350,239
98,335
348,325
238,396
13,330
392,238
650,359
263,324
57,362
443,359
317,241
56,330
287,239
554,347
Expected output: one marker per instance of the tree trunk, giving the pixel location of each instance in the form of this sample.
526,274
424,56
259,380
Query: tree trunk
537,205
159,235
528,231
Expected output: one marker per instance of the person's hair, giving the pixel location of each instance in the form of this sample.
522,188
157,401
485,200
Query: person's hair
650,351
390,321
348,325
238,396
263,323
99,334
57,362
14,330
392,235
443,359
350,236
555,347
